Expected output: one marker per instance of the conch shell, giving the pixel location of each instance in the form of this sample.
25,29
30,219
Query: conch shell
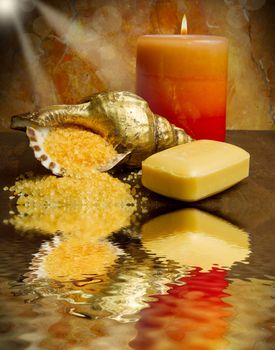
122,118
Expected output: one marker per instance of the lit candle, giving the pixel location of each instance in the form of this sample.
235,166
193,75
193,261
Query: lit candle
184,78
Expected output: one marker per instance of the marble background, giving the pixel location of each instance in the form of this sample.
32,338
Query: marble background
62,51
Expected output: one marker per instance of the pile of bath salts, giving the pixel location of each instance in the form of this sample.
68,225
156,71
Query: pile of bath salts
97,202
78,150
99,190
49,203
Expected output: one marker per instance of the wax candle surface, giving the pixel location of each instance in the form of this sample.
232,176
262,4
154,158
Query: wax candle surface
195,170
184,78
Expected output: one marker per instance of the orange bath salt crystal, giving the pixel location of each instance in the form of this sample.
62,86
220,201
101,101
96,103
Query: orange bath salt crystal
101,190
78,150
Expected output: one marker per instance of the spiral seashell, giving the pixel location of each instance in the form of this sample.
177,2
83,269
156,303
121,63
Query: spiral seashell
122,118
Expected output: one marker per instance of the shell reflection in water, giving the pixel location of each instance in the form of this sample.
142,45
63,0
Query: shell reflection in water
135,282
110,281
81,266
75,264
72,268
193,313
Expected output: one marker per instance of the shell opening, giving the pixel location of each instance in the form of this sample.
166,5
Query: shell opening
72,150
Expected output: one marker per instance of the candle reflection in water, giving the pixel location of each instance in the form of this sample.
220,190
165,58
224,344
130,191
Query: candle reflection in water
192,314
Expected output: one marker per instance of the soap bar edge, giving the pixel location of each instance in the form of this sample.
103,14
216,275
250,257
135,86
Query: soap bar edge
164,174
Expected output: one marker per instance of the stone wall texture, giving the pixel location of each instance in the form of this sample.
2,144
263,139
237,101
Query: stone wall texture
63,51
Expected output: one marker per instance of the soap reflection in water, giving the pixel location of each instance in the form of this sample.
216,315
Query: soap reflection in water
194,238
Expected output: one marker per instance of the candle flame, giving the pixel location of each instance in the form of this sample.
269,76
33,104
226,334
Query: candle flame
183,25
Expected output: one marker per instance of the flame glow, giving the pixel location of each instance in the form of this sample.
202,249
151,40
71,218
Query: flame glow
183,25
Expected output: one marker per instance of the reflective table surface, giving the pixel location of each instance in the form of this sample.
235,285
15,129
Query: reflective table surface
182,276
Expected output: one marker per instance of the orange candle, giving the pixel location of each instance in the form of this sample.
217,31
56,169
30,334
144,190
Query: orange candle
184,78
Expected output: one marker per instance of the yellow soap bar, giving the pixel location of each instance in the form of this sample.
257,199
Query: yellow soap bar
195,170
192,237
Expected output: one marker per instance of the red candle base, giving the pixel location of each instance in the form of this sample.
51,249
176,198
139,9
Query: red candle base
197,107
